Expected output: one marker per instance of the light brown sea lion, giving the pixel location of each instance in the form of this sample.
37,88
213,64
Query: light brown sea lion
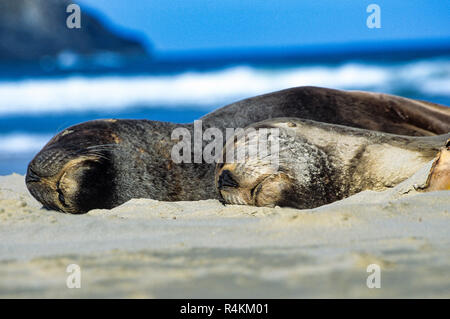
317,163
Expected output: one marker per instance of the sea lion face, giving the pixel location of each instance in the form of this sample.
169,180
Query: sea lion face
254,179
296,173
73,173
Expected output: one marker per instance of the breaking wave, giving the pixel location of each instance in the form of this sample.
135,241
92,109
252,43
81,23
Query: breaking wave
208,90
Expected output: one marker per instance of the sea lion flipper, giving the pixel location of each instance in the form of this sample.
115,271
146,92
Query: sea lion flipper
439,177
405,114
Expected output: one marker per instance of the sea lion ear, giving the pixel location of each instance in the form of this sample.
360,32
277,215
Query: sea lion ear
439,177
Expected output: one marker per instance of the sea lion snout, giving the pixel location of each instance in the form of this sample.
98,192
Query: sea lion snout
226,179
31,177
266,190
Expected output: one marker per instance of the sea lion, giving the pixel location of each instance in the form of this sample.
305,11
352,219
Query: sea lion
104,163
319,163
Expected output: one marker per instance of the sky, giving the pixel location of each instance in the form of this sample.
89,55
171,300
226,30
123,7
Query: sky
180,25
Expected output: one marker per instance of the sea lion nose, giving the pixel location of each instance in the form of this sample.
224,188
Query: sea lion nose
32,176
226,179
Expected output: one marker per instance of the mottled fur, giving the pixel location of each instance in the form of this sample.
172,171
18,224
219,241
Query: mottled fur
320,163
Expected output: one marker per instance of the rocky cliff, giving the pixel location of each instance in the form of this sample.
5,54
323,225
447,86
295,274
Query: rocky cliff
31,29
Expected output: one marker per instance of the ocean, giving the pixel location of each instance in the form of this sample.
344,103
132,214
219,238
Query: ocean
39,101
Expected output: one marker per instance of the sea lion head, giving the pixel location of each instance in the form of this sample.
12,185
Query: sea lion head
73,173
290,172
251,171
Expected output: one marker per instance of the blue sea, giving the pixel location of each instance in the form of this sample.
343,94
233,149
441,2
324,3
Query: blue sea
38,101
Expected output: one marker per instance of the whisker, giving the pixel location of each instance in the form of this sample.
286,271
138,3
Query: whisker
102,146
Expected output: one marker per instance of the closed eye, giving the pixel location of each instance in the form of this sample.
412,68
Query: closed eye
252,191
61,197
260,180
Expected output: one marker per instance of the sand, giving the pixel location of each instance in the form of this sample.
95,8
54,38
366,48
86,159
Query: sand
153,249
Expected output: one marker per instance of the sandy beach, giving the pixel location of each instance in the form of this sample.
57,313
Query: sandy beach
152,249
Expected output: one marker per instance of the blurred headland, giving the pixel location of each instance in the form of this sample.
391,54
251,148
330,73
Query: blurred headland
32,30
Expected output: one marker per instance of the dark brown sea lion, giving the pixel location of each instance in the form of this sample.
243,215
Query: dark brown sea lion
104,163
316,163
